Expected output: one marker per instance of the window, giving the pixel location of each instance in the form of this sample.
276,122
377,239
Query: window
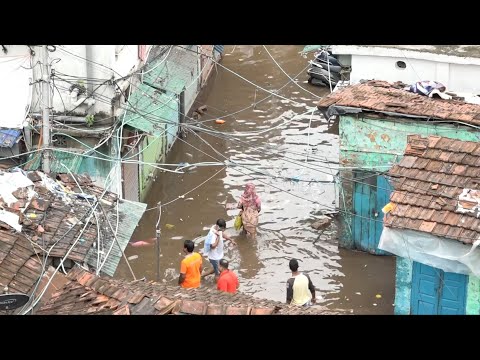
400,65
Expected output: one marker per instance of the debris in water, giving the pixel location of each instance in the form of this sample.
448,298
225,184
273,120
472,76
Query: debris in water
169,226
219,121
358,293
188,199
133,257
321,223
140,243
378,296
181,219
188,154
374,304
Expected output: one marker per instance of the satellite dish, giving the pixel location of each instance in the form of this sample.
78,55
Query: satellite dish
13,301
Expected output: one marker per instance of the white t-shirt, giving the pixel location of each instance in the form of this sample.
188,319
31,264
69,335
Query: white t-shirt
217,253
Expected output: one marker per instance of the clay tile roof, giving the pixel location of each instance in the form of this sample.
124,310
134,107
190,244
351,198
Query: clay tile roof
445,202
52,221
381,96
150,298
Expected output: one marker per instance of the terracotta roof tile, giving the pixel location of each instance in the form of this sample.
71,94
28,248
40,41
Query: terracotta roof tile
370,96
427,200
152,298
472,171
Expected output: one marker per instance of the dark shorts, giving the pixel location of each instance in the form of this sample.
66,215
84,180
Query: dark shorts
215,266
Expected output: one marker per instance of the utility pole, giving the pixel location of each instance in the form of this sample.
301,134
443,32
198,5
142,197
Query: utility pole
158,231
46,111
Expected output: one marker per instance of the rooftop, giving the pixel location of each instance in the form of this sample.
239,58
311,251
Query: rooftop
86,293
458,54
41,216
437,188
451,50
387,98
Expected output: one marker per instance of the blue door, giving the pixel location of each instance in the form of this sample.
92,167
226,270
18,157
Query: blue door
371,194
435,292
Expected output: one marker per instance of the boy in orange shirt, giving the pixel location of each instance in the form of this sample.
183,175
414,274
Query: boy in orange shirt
227,281
190,267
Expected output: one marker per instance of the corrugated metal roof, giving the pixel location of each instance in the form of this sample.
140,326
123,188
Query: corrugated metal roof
71,161
219,48
175,73
8,137
130,214
155,106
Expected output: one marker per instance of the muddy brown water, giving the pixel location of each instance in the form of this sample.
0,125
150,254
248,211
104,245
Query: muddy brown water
289,162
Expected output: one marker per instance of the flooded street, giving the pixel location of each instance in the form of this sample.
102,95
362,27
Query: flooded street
291,155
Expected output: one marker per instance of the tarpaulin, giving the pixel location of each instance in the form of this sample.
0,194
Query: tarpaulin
441,253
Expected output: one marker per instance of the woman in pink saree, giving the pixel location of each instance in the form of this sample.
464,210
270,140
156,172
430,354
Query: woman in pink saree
250,206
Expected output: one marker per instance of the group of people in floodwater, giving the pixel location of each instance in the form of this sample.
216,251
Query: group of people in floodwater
300,289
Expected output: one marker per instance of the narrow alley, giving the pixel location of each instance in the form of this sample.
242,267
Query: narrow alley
291,154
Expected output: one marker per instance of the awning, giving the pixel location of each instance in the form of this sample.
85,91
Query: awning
15,89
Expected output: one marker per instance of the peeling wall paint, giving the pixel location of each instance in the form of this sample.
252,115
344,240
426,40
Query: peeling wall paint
370,142
403,286
473,296
378,143
153,152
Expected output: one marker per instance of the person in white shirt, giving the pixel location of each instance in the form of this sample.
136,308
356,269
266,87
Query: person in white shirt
214,246
300,289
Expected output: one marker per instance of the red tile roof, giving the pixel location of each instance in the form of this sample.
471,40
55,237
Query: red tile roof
88,294
381,96
50,226
428,182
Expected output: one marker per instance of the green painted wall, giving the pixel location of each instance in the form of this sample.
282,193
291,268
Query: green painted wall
403,286
152,151
473,296
377,143
373,142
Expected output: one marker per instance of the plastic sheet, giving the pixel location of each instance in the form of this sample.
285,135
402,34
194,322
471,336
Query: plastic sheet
441,253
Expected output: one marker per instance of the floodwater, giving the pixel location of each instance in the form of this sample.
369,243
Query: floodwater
290,154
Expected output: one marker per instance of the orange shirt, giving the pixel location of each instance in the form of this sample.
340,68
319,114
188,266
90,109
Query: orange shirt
190,266
227,281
